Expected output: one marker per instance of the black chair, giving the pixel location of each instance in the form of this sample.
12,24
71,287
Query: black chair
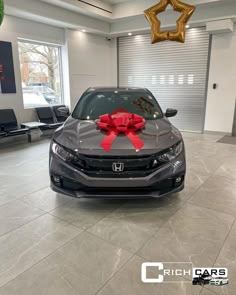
3,134
59,116
46,116
9,125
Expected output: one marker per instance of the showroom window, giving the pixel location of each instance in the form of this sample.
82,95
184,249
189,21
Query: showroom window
40,66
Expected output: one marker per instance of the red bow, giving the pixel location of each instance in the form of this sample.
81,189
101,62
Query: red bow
121,123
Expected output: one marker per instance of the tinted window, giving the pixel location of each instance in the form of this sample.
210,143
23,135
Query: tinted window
94,104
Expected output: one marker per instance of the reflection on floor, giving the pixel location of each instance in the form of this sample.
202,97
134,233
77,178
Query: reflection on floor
54,245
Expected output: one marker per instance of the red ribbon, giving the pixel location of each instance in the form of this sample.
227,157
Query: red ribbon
123,122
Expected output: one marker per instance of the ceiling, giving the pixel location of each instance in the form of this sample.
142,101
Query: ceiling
113,17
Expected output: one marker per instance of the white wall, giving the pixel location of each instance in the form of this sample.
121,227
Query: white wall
92,62
221,102
88,60
12,29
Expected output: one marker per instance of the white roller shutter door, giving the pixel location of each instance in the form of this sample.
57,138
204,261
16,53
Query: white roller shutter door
175,73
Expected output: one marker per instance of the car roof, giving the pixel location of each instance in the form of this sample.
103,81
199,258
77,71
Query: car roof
126,89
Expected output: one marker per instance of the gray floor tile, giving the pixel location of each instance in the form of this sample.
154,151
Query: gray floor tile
206,156
204,163
25,176
46,199
25,246
85,213
128,281
190,235
207,292
86,263
15,214
20,188
134,223
228,169
193,181
217,193
5,197
227,258
41,279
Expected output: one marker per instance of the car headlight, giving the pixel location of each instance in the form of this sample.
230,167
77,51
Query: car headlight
172,153
63,153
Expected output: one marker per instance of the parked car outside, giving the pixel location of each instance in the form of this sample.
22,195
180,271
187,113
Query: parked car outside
49,94
34,99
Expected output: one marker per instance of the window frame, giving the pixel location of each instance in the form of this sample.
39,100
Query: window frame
60,67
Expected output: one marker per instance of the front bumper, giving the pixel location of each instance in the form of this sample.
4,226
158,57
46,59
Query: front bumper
68,180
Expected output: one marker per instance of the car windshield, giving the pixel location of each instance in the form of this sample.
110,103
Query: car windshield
94,104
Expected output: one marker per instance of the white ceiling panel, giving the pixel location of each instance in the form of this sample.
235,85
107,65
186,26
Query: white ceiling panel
112,17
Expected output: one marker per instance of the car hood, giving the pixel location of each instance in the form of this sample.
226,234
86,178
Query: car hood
86,137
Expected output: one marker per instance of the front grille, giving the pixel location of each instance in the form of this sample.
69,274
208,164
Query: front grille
134,166
161,186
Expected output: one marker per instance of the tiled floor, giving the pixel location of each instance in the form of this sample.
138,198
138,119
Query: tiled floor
54,245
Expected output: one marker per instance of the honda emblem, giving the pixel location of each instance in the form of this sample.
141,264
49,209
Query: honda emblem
118,167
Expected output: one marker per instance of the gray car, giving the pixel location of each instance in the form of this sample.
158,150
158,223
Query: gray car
90,160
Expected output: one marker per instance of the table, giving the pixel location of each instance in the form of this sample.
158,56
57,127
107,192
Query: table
34,133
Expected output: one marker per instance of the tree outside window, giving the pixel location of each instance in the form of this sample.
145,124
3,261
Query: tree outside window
40,74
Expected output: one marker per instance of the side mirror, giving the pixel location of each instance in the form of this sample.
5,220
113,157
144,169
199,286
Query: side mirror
171,113
63,111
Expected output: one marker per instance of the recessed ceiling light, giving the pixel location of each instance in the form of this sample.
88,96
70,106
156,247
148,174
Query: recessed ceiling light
187,26
84,31
130,34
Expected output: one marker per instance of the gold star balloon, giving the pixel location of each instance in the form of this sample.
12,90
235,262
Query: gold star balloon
151,13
